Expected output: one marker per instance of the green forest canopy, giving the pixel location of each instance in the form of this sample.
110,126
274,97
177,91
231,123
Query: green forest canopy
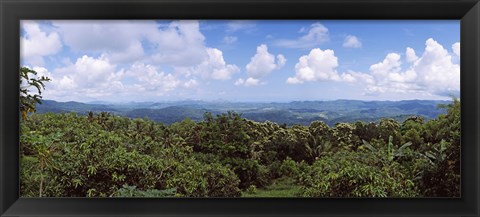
225,155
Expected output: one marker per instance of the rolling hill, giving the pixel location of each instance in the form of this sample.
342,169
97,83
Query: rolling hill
291,113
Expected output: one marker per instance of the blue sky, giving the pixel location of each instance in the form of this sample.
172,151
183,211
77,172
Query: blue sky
123,61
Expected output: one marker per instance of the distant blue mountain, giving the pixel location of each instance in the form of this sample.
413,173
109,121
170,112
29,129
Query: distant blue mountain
291,113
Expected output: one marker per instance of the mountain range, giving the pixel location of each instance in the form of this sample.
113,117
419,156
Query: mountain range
289,113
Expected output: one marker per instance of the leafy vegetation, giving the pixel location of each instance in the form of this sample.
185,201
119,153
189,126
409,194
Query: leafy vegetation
28,98
100,154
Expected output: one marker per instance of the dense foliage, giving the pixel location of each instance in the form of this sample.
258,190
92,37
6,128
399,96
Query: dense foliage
225,155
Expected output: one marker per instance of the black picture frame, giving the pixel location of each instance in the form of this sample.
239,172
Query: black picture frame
12,11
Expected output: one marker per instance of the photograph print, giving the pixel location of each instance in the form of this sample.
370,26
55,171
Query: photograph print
240,108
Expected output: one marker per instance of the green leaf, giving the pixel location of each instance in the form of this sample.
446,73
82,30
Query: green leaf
430,155
370,147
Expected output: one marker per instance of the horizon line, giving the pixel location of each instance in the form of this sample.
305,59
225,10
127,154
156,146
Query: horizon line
229,101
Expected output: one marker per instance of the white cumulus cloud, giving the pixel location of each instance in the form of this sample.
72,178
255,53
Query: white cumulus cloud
229,39
88,77
176,43
179,44
432,73
317,34
35,44
456,48
391,64
190,83
119,40
88,71
239,81
318,65
263,62
410,55
248,82
352,41
213,67
436,71
151,80
260,65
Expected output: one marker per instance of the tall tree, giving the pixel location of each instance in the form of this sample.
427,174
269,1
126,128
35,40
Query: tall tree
29,99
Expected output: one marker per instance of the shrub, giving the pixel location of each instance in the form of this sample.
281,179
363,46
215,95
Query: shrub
194,179
252,189
346,175
289,168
